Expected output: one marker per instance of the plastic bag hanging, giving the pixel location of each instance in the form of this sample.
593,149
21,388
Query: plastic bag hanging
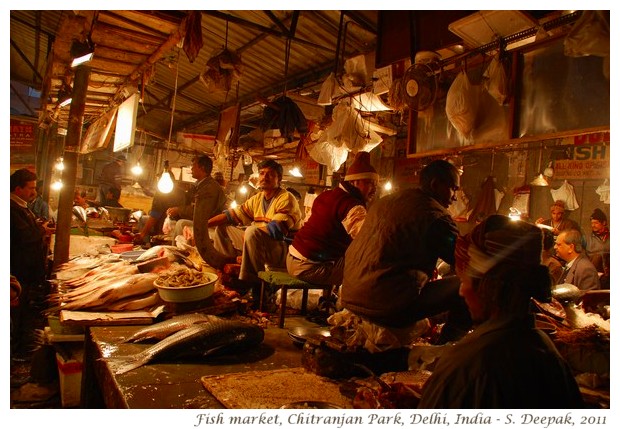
566,193
462,103
603,191
590,36
496,81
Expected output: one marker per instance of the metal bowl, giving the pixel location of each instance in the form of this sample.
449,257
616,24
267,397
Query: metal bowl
310,405
190,293
299,334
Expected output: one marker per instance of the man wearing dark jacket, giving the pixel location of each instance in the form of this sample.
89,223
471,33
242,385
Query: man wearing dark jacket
29,246
578,271
390,265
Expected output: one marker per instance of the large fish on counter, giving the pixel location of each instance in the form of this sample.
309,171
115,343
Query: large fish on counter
161,330
213,338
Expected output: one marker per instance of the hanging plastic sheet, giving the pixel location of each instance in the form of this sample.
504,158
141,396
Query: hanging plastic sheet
566,193
590,36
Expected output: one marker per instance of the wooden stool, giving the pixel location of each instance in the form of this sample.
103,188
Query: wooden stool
285,282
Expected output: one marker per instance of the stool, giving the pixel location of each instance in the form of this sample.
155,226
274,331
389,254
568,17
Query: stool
285,282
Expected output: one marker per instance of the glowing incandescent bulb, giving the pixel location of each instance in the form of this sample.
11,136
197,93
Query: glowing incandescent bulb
165,183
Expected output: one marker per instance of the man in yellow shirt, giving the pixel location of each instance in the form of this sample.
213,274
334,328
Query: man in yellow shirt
270,216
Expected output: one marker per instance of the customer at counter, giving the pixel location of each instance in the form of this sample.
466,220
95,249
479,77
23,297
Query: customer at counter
270,215
317,252
505,362
598,246
389,268
578,270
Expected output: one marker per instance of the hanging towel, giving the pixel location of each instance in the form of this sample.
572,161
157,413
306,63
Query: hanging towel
603,191
566,193
485,204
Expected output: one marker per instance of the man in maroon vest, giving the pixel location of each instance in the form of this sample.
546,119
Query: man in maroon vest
317,252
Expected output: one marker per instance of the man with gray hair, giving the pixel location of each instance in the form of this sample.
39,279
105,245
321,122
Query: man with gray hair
579,270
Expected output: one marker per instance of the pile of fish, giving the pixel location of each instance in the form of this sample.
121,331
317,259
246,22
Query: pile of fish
191,336
110,283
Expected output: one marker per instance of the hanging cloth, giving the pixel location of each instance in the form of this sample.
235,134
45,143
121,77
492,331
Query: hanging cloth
193,36
566,193
521,200
485,205
603,191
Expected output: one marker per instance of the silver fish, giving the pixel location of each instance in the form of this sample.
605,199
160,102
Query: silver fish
110,291
161,330
201,340
133,303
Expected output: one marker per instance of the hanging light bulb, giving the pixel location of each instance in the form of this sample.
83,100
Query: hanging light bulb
136,170
233,205
388,186
165,183
243,190
57,185
60,165
295,172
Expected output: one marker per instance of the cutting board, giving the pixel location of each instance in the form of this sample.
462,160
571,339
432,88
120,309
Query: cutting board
273,389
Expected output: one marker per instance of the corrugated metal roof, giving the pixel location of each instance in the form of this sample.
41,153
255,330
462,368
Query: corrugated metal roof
127,42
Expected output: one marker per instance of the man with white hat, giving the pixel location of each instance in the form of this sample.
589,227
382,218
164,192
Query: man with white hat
317,252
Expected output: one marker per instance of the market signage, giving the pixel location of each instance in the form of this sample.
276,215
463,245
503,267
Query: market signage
588,158
22,135
311,172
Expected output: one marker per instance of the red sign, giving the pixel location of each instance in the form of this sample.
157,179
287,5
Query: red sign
22,135
311,172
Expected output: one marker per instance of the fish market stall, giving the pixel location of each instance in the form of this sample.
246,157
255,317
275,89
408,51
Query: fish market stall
171,384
